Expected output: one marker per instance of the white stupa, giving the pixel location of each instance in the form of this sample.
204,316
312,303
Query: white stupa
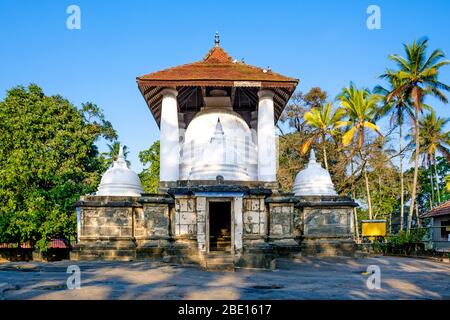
221,147
219,159
119,180
313,180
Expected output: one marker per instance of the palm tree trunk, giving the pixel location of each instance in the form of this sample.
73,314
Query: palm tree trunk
437,180
369,200
416,166
375,214
366,179
431,185
417,215
325,159
402,186
355,212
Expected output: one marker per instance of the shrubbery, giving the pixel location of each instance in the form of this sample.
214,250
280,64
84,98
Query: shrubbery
405,242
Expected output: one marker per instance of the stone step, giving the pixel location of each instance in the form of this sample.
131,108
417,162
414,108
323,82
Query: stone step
220,259
219,262
222,249
220,267
93,254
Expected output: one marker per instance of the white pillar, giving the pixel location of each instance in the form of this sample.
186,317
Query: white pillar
169,137
266,137
254,126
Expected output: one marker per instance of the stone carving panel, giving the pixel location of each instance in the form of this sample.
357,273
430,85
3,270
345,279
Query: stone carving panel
281,219
254,216
185,216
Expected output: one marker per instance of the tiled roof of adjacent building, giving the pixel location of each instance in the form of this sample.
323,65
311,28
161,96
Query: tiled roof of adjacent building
441,210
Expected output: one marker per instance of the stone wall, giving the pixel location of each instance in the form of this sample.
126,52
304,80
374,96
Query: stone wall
103,222
264,226
151,221
185,219
152,229
327,222
254,216
111,227
327,225
281,220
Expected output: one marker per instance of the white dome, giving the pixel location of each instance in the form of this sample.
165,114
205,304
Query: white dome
313,180
204,123
119,180
218,142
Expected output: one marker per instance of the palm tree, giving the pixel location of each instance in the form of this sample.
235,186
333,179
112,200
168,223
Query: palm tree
324,122
418,77
433,138
447,183
398,107
361,107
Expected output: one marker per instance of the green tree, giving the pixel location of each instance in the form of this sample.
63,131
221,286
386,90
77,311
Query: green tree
418,76
361,108
398,107
292,139
323,121
294,112
48,158
384,179
433,138
150,175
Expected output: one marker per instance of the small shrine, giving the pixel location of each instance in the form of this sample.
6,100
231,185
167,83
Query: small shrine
219,204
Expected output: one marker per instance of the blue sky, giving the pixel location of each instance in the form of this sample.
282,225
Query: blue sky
323,43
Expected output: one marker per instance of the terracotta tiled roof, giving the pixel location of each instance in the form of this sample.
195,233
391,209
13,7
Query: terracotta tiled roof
441,210
217,69
217,65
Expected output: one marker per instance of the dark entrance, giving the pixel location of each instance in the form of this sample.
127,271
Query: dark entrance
220,226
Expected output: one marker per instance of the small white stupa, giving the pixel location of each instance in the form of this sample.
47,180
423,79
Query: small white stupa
313,180
119,180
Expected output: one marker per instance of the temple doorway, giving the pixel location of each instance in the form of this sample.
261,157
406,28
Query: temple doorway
220,226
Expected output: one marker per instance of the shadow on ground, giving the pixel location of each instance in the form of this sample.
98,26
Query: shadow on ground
304,278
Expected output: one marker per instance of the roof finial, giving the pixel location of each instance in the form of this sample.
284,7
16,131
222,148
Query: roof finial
312,156
120,162
120,156
218,133
219,129
217,40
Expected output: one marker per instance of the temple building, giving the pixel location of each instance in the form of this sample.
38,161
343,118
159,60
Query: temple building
219,202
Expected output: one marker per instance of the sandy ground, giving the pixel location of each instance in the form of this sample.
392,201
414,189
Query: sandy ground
305,278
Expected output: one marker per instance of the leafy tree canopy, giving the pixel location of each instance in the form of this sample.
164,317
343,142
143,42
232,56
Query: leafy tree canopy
48,158
150,175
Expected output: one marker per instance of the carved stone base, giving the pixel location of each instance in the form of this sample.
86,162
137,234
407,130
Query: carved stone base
154,248
328,247
104,250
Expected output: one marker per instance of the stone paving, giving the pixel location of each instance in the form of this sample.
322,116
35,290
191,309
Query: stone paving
303,278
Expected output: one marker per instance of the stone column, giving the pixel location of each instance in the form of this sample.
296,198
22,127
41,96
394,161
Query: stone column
238,224
169,137
266,137
201,224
